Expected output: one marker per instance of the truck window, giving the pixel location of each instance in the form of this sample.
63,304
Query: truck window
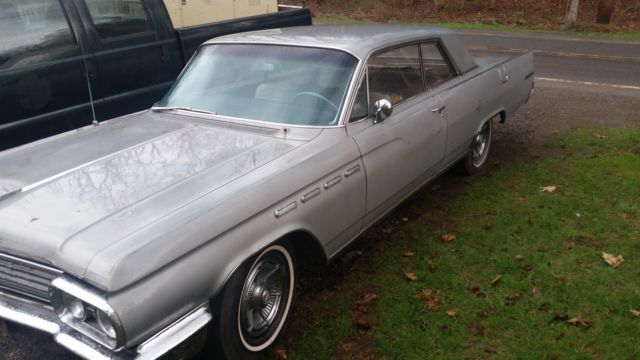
436,68
31,26
113,18
395,75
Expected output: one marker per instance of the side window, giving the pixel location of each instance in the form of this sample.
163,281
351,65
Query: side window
436,68
360,105
30,26
113,18
395,75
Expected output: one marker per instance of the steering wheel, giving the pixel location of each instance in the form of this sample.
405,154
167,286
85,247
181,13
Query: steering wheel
315,95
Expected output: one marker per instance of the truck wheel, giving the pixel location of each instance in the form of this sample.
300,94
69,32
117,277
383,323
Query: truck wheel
478,153
255,304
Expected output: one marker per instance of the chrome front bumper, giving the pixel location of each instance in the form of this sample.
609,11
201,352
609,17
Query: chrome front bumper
43,318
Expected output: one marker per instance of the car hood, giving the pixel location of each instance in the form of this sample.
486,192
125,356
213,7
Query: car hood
56,195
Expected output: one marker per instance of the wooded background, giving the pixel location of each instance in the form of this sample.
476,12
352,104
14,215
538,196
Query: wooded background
623,15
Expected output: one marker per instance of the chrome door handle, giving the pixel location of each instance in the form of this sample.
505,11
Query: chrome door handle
438,110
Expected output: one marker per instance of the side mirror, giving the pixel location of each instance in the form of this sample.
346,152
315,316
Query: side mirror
382,109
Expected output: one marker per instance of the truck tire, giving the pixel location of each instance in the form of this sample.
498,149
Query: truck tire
254,304
476,157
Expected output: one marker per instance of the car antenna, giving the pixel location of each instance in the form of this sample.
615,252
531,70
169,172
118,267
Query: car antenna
86,76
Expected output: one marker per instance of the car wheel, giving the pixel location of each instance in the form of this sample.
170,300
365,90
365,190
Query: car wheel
255,303
476,158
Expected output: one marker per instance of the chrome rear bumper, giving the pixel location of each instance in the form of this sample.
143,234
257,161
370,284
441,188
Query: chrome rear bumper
42,317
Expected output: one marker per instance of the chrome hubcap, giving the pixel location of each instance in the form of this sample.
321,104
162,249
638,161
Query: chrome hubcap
480,146
262,295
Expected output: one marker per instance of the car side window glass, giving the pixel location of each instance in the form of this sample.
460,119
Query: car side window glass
360,105
31,26
436,68
395,75
113,18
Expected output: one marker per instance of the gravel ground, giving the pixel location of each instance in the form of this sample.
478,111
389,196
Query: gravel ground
553,109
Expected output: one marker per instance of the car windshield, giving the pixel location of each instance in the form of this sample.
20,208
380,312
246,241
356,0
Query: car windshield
272,83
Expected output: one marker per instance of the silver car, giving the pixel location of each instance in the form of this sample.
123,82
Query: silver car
272,151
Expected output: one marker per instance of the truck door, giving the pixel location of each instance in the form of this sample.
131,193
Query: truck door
135,52
43,90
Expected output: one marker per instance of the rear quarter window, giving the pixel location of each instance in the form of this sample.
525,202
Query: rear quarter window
29,26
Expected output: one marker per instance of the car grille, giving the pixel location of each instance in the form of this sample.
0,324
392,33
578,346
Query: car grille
26,278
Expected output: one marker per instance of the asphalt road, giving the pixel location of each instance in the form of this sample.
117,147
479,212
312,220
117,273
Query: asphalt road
577,60
578,83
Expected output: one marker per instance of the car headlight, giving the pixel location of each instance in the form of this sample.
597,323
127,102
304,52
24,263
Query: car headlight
87,311
75,307
105,324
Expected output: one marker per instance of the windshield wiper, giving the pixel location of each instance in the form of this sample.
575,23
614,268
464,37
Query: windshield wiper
183,108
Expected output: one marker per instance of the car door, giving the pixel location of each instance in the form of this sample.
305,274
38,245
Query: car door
136,58
43,90
403,151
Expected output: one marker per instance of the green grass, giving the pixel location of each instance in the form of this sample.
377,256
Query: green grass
560,236
621,35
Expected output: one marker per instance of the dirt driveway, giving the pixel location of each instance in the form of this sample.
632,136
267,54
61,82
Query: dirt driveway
554,108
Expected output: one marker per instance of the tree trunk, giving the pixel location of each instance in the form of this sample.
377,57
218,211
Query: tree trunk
572,14
605,10
492,4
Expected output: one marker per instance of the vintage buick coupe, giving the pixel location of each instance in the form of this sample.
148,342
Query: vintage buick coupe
273,150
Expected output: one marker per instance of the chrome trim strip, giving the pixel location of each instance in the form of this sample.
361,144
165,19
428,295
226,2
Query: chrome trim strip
175,333
286,209
30,263
310,195
352,171
333,182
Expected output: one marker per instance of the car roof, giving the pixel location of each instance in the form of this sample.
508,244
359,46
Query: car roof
360,40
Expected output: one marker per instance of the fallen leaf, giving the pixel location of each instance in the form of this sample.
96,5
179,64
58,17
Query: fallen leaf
281,354
482,314
431,299
365,321
488,226
613,261
547,189
411,276
452,312
513,298
367,298
348,346
601,137
448,237
635,313
496,279
519,257
408,253
537,293
580,322
490,350
352,254
405,219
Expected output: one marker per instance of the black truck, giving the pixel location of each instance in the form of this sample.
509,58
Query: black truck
57,57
